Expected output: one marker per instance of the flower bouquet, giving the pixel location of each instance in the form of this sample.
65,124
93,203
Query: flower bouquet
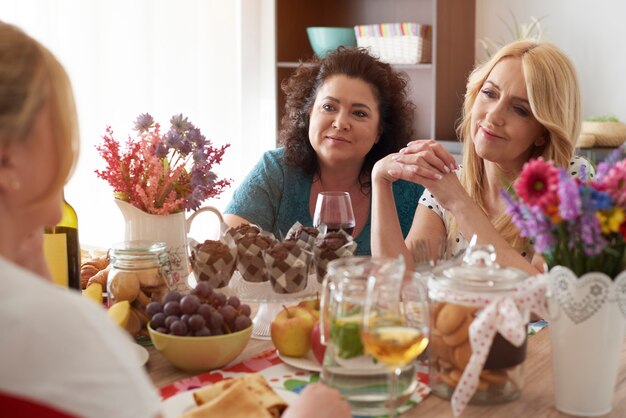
162,173
156,178
579,226
577,222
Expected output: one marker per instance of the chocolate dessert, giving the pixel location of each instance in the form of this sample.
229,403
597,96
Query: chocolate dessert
245,229
214,261
215,249
331,242
287,266
261,241
281,250
295,235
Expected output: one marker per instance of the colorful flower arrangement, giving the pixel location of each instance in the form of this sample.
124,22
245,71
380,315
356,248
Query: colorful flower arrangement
577,222
162,174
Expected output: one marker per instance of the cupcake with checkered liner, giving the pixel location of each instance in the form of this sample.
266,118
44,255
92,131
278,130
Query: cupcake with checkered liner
251,242
287,266
304,236
214,261
331,246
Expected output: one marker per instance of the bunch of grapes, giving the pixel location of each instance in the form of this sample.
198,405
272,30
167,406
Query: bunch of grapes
201,313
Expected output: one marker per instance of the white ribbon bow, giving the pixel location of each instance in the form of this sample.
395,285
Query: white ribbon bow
501,315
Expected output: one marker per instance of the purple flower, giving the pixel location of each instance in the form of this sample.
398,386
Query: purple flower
609,161
185,148
540,229
174,139
196,137
568,196
144,122
180,124
161,150
591,234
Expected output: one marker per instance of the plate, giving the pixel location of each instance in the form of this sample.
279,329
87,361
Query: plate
305,363
142,354
180,403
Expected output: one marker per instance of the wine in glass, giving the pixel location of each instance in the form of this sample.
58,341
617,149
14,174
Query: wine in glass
395,327
334,210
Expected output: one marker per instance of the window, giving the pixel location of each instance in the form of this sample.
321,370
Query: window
202,58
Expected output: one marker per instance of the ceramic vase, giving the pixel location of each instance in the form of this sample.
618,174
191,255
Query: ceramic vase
587,320
171,229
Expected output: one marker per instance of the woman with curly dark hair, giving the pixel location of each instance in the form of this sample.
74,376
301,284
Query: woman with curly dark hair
343,113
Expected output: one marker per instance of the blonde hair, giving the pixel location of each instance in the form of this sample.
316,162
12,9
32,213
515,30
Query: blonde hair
30,79
554,97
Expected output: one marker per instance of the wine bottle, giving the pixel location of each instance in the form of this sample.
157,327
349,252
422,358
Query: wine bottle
62,250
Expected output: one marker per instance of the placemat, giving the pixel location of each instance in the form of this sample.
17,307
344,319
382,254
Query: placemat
280,375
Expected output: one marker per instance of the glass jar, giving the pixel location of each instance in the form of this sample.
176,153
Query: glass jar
138,275
459,292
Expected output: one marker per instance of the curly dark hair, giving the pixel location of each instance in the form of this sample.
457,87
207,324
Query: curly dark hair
397,111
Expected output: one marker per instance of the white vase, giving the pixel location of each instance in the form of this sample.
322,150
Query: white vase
171,229
587,322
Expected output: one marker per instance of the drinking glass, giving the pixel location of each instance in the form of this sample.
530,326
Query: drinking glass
395,327
334,210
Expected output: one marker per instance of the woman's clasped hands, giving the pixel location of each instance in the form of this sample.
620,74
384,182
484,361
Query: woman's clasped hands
423,161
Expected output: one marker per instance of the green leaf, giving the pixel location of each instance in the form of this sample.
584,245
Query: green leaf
347,339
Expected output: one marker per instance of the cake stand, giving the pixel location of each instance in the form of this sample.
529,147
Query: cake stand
270,302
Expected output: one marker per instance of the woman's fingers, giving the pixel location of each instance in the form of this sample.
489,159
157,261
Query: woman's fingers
414,172
424,163
446,161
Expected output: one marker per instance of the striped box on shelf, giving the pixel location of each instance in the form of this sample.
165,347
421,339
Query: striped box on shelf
397,43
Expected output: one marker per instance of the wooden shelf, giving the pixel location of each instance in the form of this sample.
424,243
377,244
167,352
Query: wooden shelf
437,89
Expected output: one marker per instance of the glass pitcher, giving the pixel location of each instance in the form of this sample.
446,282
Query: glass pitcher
361,380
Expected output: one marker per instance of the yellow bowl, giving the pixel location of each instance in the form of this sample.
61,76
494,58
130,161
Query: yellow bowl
193,354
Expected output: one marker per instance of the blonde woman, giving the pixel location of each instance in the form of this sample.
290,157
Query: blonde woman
60,355
521,104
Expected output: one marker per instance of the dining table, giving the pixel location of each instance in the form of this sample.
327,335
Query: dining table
536,400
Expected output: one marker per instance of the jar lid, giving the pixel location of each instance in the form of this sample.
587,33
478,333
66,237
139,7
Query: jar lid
477,271
138,251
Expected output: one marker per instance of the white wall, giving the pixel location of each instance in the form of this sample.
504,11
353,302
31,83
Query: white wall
163,57
592,33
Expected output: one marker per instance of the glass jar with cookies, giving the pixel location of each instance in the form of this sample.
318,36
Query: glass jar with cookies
137,277
478,329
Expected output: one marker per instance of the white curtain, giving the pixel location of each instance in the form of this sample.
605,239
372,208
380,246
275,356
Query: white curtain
163,57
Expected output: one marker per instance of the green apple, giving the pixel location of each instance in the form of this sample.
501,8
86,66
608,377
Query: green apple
291,331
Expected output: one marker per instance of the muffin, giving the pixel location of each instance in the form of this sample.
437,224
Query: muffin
250,260
287,266
297,233
245,229
214,261
329,247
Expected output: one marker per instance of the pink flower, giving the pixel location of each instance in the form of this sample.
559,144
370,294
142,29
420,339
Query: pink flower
614,182
537,185
162,174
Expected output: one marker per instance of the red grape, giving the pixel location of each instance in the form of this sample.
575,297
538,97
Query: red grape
171,296
179,328
189,304
196,322
242,322
234,301
172,308
153,308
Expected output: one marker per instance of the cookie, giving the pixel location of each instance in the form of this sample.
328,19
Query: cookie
462,354
461,335
450,318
